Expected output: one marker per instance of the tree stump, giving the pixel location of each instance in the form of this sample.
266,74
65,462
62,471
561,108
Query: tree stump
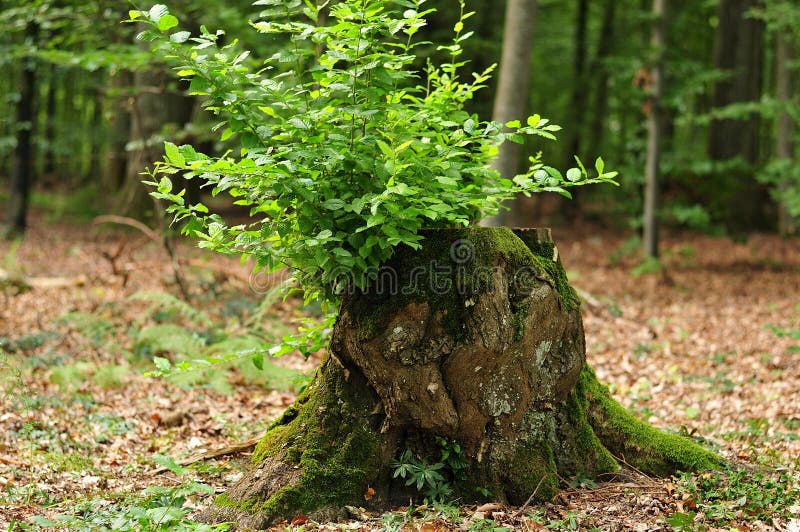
473,344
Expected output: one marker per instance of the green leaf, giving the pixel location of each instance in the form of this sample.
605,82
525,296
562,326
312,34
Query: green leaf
258,360
162,364
469,126
169,463
534,120
180,37
157,12
574,174
174,154
334,204
167,22
599,165
165,185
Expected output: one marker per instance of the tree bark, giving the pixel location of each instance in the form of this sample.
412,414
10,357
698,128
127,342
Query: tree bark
605,44
784,148
513,80
49,166
474,343
654,131
119,131
22,169
154,107
97,139
580,87
738,50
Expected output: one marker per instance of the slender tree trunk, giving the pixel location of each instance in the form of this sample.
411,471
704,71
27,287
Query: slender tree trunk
654,131
98,134
784,149
605,44
738,50
22,170
580,92
513,81
73,96
119,131
49,166
580,88
154,108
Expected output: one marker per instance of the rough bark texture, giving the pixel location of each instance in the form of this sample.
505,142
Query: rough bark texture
476,339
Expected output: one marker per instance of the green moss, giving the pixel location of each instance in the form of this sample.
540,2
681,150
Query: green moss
585,453
328,436
518,322
531,467
644,447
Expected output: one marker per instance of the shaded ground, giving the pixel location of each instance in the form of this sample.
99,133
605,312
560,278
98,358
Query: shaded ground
687,348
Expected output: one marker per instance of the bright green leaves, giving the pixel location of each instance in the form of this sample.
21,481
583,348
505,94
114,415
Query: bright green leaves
167,22
173,154
343,162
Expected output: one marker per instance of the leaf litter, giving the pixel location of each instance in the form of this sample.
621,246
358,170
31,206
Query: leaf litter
691,347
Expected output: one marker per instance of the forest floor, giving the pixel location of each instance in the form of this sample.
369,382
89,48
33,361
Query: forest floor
705,344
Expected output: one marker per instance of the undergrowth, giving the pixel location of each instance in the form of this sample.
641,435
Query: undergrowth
156,508
736,498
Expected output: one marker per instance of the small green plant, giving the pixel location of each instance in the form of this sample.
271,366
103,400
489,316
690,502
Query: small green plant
346,150
648,265
425,477
393,522
158,509
729,497
435,479
486,525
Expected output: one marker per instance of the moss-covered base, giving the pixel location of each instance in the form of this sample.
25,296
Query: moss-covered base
319,456
328,452
489,359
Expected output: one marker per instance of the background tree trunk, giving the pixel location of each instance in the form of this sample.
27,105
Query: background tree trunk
784,148
513,80
154,107
600,75
22,169
473,343
738,50
120,131
654,131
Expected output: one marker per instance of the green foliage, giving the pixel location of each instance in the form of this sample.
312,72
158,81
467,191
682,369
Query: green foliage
156,509
346,150
423,476
434,480
783,177
164,302
727,497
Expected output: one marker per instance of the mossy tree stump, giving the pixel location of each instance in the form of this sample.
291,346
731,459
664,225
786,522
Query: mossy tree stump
475,339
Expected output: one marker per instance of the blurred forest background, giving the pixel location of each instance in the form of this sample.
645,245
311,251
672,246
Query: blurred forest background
84,108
